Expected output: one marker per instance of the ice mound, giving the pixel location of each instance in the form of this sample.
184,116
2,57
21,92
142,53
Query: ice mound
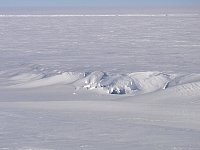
140,82
116,84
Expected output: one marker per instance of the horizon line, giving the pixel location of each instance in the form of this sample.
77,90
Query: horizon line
102,15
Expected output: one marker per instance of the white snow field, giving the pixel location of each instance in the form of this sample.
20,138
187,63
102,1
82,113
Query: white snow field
100,79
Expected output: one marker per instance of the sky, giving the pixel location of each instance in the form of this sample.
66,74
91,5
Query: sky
96,3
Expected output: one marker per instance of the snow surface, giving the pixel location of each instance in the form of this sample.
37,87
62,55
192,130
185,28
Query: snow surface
99,80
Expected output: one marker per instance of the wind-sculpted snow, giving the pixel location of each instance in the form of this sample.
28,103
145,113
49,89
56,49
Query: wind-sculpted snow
63,78
131,83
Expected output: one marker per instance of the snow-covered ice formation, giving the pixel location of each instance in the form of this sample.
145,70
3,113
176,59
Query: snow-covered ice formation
131,83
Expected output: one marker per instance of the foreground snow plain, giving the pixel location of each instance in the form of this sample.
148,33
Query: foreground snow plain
111,80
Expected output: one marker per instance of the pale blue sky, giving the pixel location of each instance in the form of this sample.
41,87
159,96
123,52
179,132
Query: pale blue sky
79,3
